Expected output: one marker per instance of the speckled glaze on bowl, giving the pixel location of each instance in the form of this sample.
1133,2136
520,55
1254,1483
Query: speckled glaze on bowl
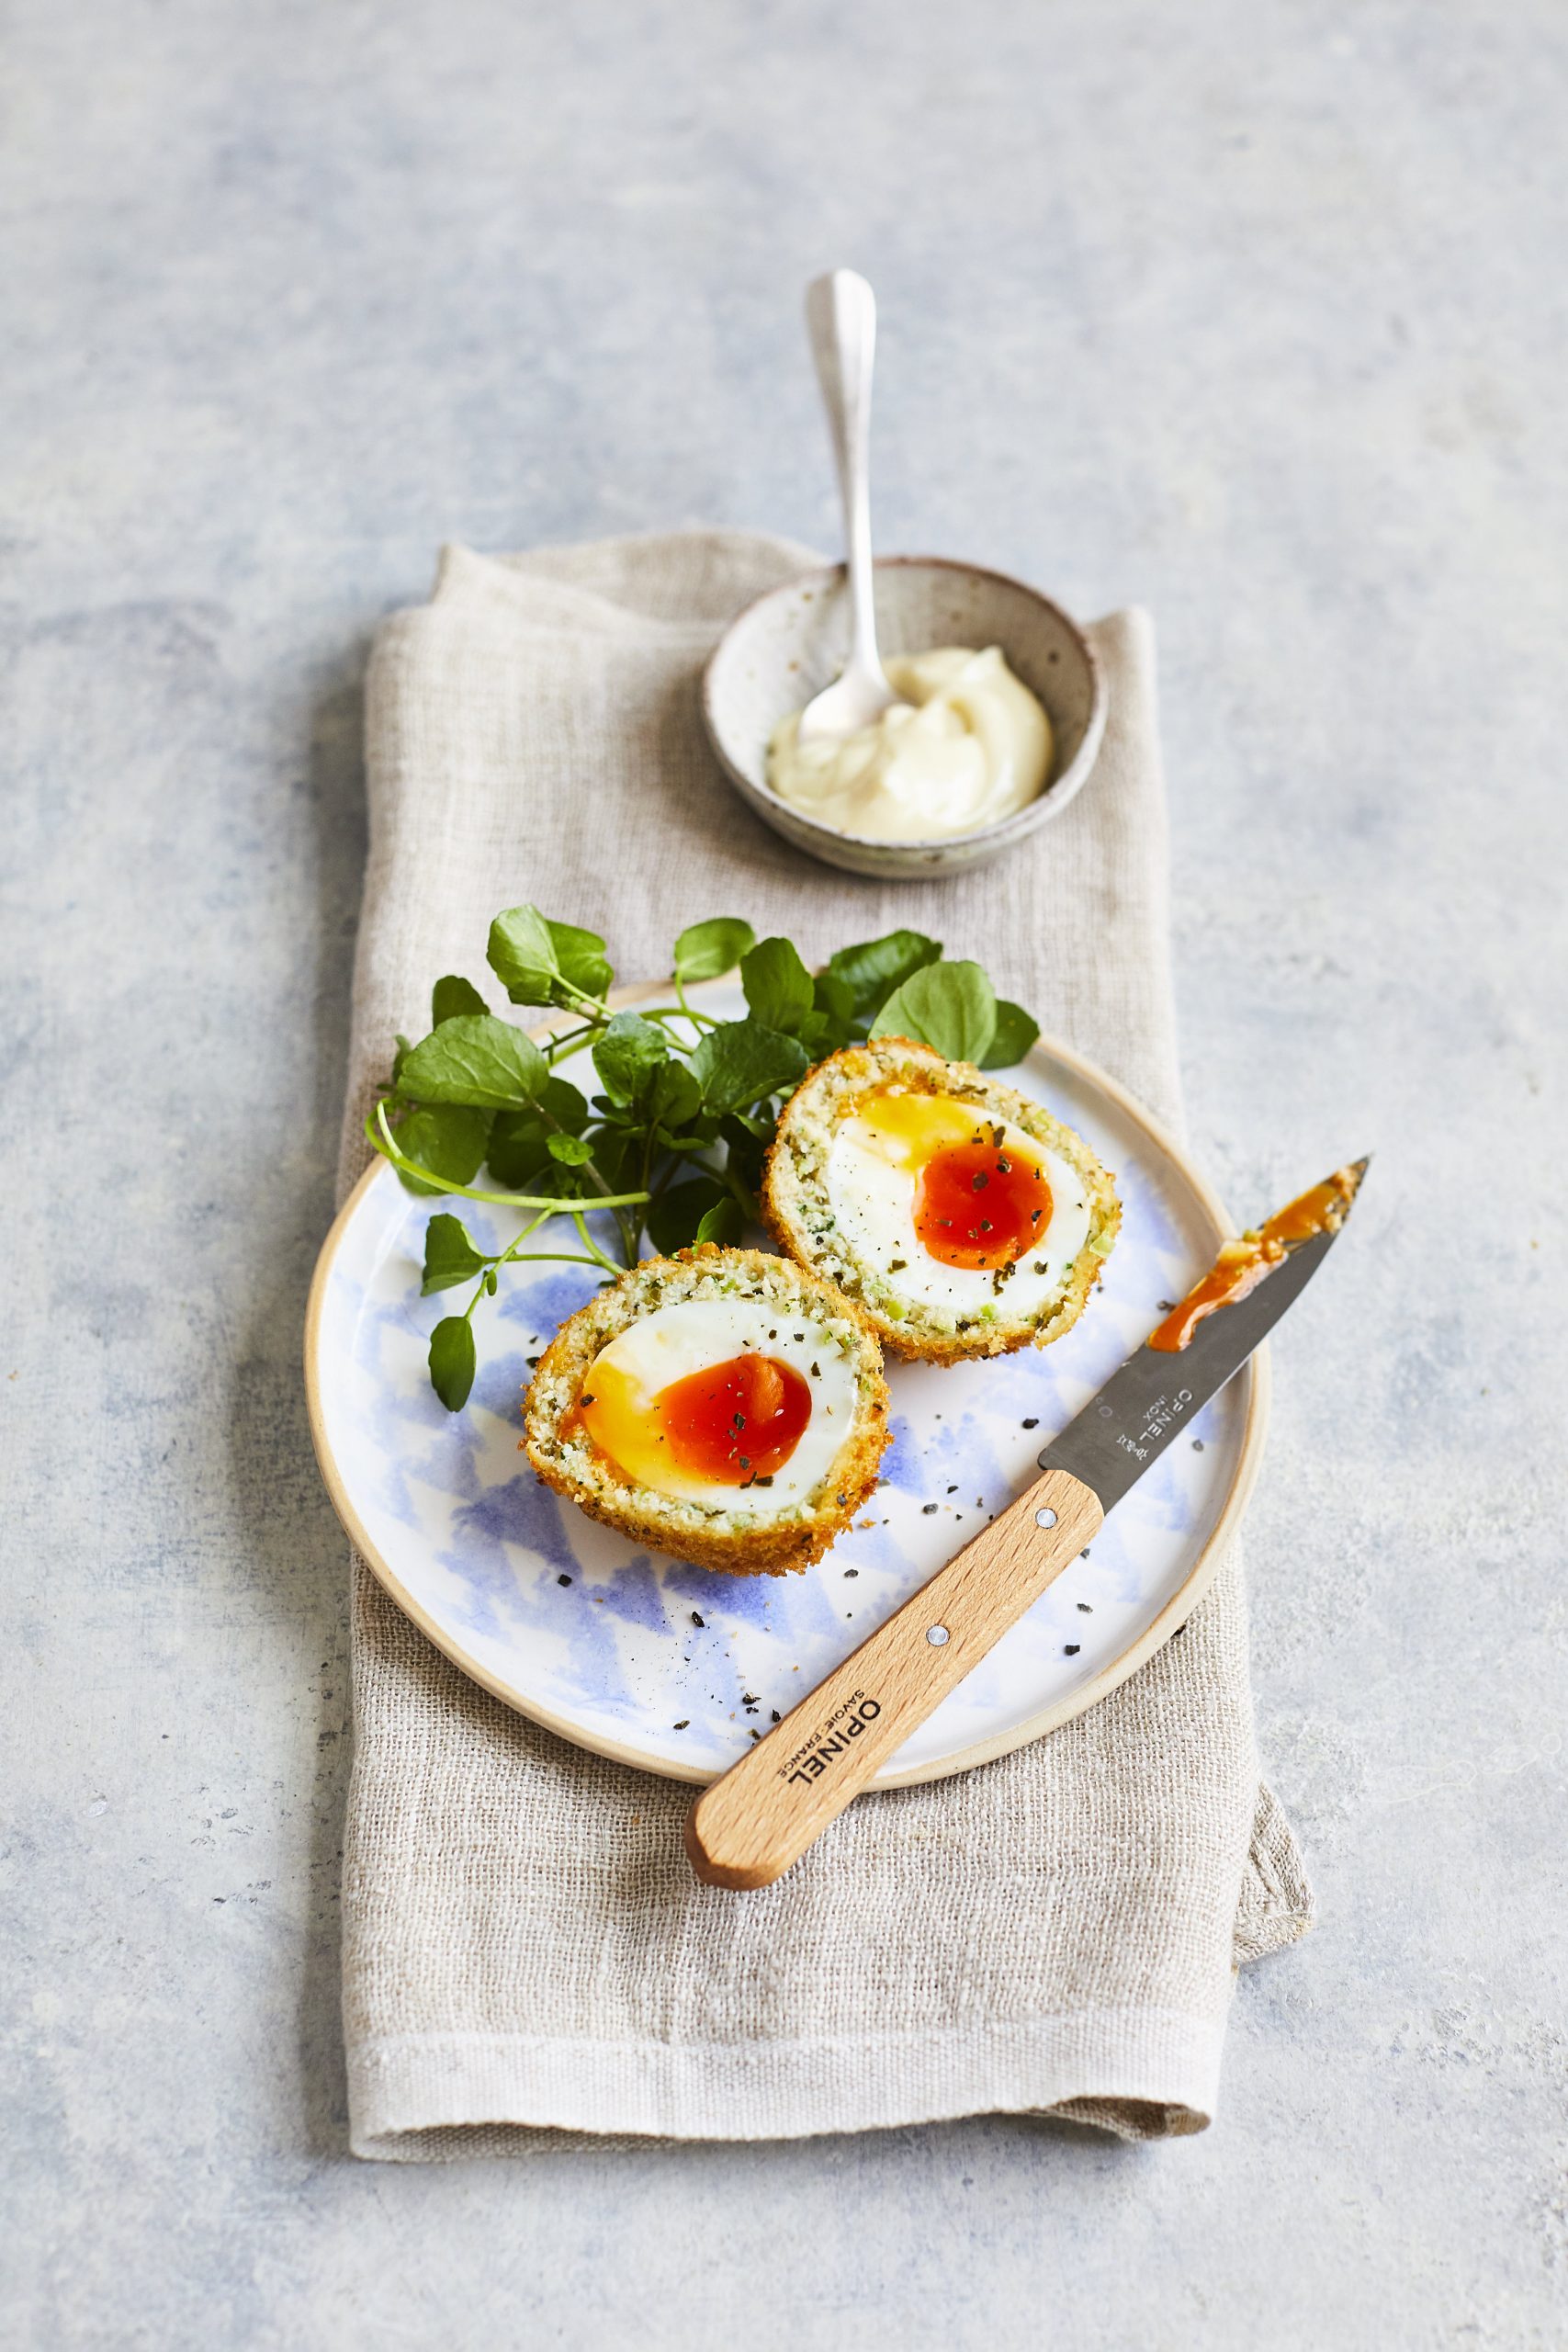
790,643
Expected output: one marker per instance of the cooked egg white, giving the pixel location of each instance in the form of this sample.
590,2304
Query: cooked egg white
874,1167
643,1359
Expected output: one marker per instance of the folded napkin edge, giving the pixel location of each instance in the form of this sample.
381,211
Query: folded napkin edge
401,2086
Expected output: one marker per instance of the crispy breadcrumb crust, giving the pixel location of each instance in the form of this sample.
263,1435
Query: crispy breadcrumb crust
799,1214
740,1536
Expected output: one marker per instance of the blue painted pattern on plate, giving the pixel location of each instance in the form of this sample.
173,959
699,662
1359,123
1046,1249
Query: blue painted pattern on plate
618,1646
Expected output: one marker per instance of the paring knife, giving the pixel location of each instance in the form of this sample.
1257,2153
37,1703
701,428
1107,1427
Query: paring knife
751,1825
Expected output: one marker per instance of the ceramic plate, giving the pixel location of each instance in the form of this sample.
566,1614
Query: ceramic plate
673,1668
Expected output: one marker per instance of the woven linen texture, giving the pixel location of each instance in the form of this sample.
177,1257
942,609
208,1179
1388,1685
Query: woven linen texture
525,1950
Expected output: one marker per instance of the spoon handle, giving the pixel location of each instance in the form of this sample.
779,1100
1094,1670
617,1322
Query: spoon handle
840,316
761,1816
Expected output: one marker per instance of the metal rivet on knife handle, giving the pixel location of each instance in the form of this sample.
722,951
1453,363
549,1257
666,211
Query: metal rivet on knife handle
751,1825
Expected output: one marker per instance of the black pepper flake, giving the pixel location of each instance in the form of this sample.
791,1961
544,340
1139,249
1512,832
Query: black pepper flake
684,1724
952,1490
696,1620
756,1734
563,1579
763,1482
897,1265
981,1180
816,1372
1166,1305
1070,1649
1033,1422
587,1400
749,1698
1004,1165
927,1509
1197,1445
1088,1608
773,1335
776,1716
984,1225
801,1336
843,1502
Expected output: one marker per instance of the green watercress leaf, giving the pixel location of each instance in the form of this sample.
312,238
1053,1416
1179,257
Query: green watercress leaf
673,1221
742,1061
834,999
747,1139
873,970
1016,1032
630,1051
519,1140
571,1151
521,955
722,1223
705,951
562,1102
672,1099
454,995
447,1137
617,1155
541,962
580,958
477,1059
449,1255
950,1006
452,1360
777,984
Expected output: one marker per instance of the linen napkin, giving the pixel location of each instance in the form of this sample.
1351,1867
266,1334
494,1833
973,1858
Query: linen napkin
525,1949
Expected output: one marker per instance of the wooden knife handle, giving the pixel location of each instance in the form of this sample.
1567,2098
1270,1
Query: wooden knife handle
751,1825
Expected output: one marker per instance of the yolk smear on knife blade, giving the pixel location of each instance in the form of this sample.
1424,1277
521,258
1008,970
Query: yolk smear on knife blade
1242,1265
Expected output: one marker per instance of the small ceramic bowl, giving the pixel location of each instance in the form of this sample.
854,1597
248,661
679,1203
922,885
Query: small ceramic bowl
788,644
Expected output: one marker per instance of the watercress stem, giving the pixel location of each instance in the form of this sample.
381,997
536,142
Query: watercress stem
587,1239
380,1134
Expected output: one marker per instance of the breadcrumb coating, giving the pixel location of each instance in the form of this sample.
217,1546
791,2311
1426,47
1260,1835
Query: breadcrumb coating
799,1212
737,1532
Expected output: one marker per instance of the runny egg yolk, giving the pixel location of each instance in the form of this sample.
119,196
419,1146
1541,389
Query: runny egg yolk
979,1199
728,1424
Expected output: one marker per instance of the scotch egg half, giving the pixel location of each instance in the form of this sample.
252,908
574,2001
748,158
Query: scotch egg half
962,1217
724,1405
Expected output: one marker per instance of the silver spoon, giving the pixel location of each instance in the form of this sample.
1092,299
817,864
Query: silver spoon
840,316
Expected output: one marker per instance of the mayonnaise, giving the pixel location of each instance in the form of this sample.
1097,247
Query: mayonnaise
969,744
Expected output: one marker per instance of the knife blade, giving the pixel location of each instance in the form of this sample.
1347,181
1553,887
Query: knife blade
759,1818
1146,1401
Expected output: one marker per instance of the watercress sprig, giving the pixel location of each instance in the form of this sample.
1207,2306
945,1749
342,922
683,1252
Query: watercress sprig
671,1147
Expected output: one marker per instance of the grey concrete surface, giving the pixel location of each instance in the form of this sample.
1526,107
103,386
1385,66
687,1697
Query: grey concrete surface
1248,310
